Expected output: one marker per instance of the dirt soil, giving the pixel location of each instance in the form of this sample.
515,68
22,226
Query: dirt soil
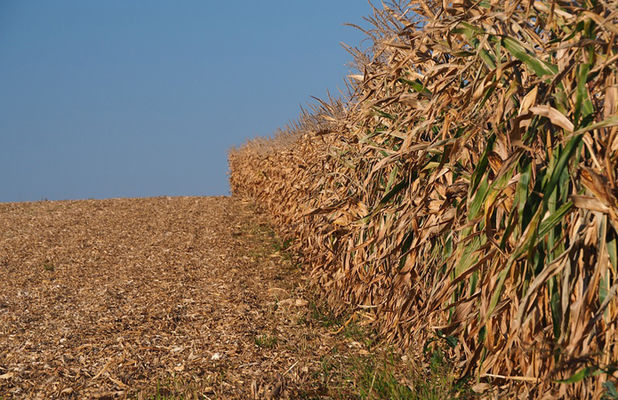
127,298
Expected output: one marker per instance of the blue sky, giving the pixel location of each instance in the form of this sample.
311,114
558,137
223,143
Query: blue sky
128,98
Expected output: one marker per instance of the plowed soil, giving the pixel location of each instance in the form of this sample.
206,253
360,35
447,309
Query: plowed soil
125,298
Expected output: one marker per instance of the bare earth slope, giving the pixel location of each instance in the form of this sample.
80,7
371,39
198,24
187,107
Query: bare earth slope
112,298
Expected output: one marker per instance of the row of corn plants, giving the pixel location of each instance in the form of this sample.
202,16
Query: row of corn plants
467,190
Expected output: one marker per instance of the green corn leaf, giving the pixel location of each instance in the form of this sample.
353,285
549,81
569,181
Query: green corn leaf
498,289
391,178
468,258
518,51
384,114
471,33
530,234
583,105
487,58
488,92
550,222
417,86
479,171
606,123
521,193
452,341
430,166
561,100
604,285
373,134
612,250
610,389
563,159
407,242
468,30
551,208
497,187
479,199
463,53
556,307
508,230
524,245
581,374
393,192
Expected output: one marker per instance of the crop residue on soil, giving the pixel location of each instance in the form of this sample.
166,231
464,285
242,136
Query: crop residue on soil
112,298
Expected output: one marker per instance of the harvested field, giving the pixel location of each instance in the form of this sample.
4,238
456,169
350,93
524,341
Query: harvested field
116,298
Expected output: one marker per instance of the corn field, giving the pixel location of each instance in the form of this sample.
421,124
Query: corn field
467,189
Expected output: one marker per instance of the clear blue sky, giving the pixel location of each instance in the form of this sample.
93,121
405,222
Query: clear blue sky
128,98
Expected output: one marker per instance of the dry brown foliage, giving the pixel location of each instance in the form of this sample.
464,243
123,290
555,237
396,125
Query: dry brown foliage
467,190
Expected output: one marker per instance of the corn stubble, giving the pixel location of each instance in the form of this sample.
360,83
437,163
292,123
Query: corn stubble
467,188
